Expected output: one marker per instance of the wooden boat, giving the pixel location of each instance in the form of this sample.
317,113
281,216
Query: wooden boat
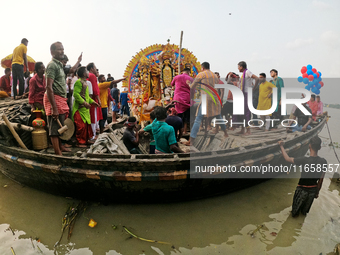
150,178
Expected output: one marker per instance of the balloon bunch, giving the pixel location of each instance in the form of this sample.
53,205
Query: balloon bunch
312,78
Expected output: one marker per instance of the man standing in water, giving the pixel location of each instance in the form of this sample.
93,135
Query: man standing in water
310,182
55,98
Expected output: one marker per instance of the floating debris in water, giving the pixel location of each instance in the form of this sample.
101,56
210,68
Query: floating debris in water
32,242
143,239
69,219
92,223
10,229
334,144
252,233
39,249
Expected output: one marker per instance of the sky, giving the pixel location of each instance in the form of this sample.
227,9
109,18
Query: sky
284,35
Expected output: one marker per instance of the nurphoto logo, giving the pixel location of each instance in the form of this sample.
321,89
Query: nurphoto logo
238,101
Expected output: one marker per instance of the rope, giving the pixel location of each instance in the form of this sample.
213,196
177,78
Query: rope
330,137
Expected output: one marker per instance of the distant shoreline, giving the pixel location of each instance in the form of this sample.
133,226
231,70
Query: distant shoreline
334,106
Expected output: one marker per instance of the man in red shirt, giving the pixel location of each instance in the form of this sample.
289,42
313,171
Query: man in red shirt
95,112
5,83
37,87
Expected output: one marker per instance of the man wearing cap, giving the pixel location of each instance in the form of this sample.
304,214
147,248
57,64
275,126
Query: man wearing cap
19,58
313,169
55,98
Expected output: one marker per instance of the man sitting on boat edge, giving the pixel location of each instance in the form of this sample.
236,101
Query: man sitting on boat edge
303,120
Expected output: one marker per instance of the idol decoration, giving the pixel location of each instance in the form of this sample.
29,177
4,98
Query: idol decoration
149,76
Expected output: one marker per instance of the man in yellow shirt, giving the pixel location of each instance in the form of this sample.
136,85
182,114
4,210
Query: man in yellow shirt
104,94
19,58
265,101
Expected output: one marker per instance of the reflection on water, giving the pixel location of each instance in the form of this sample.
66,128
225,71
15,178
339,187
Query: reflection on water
252,221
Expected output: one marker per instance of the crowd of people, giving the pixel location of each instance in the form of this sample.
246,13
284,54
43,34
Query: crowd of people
62,91
86,96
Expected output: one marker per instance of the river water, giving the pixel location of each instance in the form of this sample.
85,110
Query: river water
218,225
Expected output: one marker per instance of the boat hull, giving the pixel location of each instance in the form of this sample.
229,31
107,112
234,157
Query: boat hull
141,178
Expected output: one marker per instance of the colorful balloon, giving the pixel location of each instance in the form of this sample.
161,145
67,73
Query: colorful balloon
303,69
315,76
305,80
304,75
318,86
309,72
310,77
309,67
300,79
320,73
314,70
321,83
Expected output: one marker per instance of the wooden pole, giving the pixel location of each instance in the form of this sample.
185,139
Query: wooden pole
13,132
179,53
19,126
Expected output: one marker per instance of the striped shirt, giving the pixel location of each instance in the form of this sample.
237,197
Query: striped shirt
208,77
